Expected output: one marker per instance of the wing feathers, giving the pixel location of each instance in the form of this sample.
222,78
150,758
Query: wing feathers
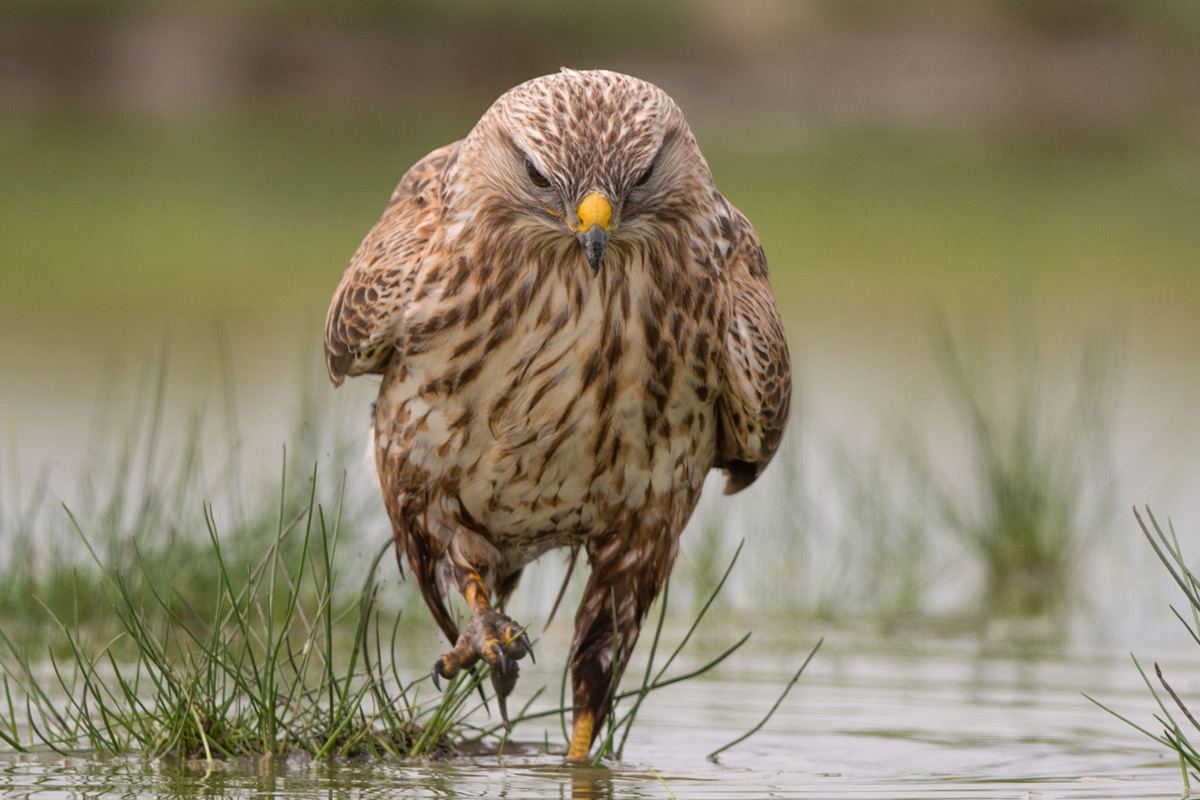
753,409
365,324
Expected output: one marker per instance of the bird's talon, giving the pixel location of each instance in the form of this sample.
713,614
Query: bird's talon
437,665
503,662
496,639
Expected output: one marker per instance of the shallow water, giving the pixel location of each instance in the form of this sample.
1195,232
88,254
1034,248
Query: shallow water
910,715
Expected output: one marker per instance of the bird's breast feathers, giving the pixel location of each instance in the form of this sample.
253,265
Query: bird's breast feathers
558,403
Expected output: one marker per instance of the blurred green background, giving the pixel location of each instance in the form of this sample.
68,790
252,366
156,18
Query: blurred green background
177,162
171,170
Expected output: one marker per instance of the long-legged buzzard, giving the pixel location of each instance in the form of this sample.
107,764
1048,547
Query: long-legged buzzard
573,327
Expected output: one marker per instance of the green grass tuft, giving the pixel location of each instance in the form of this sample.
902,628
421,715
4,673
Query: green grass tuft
262,673
1035,462
1175,734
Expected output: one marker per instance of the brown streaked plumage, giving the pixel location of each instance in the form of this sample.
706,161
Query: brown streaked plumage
573,326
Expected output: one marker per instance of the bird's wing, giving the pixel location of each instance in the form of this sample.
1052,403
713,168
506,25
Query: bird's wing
365,320
756,371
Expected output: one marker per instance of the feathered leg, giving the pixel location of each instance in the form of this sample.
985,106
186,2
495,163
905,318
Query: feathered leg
624,582
490,636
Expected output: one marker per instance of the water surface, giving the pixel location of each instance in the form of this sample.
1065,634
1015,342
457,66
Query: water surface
911,715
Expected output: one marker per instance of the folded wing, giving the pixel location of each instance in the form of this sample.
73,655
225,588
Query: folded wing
752,410
365,325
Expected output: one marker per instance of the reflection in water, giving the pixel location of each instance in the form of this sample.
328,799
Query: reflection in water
591,783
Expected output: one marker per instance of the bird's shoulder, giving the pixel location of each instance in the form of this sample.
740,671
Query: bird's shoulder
746,258
365,317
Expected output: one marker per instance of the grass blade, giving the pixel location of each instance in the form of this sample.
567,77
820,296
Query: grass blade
713,755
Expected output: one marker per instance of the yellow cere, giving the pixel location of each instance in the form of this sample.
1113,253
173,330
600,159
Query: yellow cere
595,210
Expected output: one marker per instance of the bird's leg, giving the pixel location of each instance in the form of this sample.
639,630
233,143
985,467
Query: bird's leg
490,636
625,580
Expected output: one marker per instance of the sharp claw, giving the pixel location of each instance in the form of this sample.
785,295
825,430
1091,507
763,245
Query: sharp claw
529,647
502,656
502,701
434,674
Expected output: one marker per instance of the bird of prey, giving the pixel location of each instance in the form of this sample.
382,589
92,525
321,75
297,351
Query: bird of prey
573,326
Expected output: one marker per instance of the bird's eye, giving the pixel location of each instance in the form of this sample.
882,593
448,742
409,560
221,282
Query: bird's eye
538,179
645,176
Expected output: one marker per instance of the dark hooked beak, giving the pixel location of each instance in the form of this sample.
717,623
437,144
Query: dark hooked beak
594,228
594,241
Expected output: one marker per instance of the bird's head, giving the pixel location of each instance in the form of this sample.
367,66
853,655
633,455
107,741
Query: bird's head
596,156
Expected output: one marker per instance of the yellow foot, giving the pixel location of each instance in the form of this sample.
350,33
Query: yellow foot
581,737
495,639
